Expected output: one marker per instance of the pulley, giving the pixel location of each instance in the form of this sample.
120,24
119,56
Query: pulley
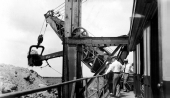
80,32
49,13
40,40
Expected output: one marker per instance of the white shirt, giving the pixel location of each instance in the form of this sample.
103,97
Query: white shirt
115,67
128,68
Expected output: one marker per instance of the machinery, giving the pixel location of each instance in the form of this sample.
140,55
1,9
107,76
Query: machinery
78,47
92,56
148,40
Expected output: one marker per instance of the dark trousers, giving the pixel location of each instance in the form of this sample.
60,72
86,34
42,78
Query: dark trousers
116,78
113,80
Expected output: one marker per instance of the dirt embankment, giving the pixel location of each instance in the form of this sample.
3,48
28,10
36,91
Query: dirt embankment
14,79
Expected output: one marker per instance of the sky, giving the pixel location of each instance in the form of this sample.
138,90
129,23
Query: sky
21,22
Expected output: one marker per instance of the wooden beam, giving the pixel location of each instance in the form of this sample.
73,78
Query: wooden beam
98,41
52,55
71,56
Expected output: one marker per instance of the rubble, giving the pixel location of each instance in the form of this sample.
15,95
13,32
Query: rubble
13,79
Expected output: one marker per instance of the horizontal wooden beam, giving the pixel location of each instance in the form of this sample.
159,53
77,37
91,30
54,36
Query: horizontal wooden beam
98,41
52,55
59,54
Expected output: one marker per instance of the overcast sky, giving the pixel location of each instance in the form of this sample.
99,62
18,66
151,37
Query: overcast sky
21,22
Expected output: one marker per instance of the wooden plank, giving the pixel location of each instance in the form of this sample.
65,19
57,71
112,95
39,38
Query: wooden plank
68,18
52,55
98,41
71,58
67,33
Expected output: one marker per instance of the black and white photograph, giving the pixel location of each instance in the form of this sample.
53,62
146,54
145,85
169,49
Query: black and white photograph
84,49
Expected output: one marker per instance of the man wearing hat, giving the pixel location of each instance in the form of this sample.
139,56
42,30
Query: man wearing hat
114,69
127,69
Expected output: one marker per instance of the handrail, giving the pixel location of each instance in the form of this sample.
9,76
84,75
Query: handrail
96,91
21,93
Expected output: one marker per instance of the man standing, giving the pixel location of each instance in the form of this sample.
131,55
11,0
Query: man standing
127,69
115,68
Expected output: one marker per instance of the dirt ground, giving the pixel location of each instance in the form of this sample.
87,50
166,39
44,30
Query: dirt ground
13,79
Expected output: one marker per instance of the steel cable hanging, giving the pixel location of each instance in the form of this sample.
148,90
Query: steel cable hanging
59,10
59,6
45,29
50,67
62,6
42,26
55,70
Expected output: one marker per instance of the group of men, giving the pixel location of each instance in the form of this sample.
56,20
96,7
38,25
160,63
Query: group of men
115,72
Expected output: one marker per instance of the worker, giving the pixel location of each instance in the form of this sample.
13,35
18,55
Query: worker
114,69
127,69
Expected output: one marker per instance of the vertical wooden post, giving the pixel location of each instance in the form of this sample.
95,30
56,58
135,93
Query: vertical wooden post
71,57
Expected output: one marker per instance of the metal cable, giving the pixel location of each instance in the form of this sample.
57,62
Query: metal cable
52,67
90,33
59,6
64,6
62,10
45,29
54,70
42,26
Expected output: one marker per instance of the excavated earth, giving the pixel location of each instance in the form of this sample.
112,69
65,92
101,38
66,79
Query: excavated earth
13,79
